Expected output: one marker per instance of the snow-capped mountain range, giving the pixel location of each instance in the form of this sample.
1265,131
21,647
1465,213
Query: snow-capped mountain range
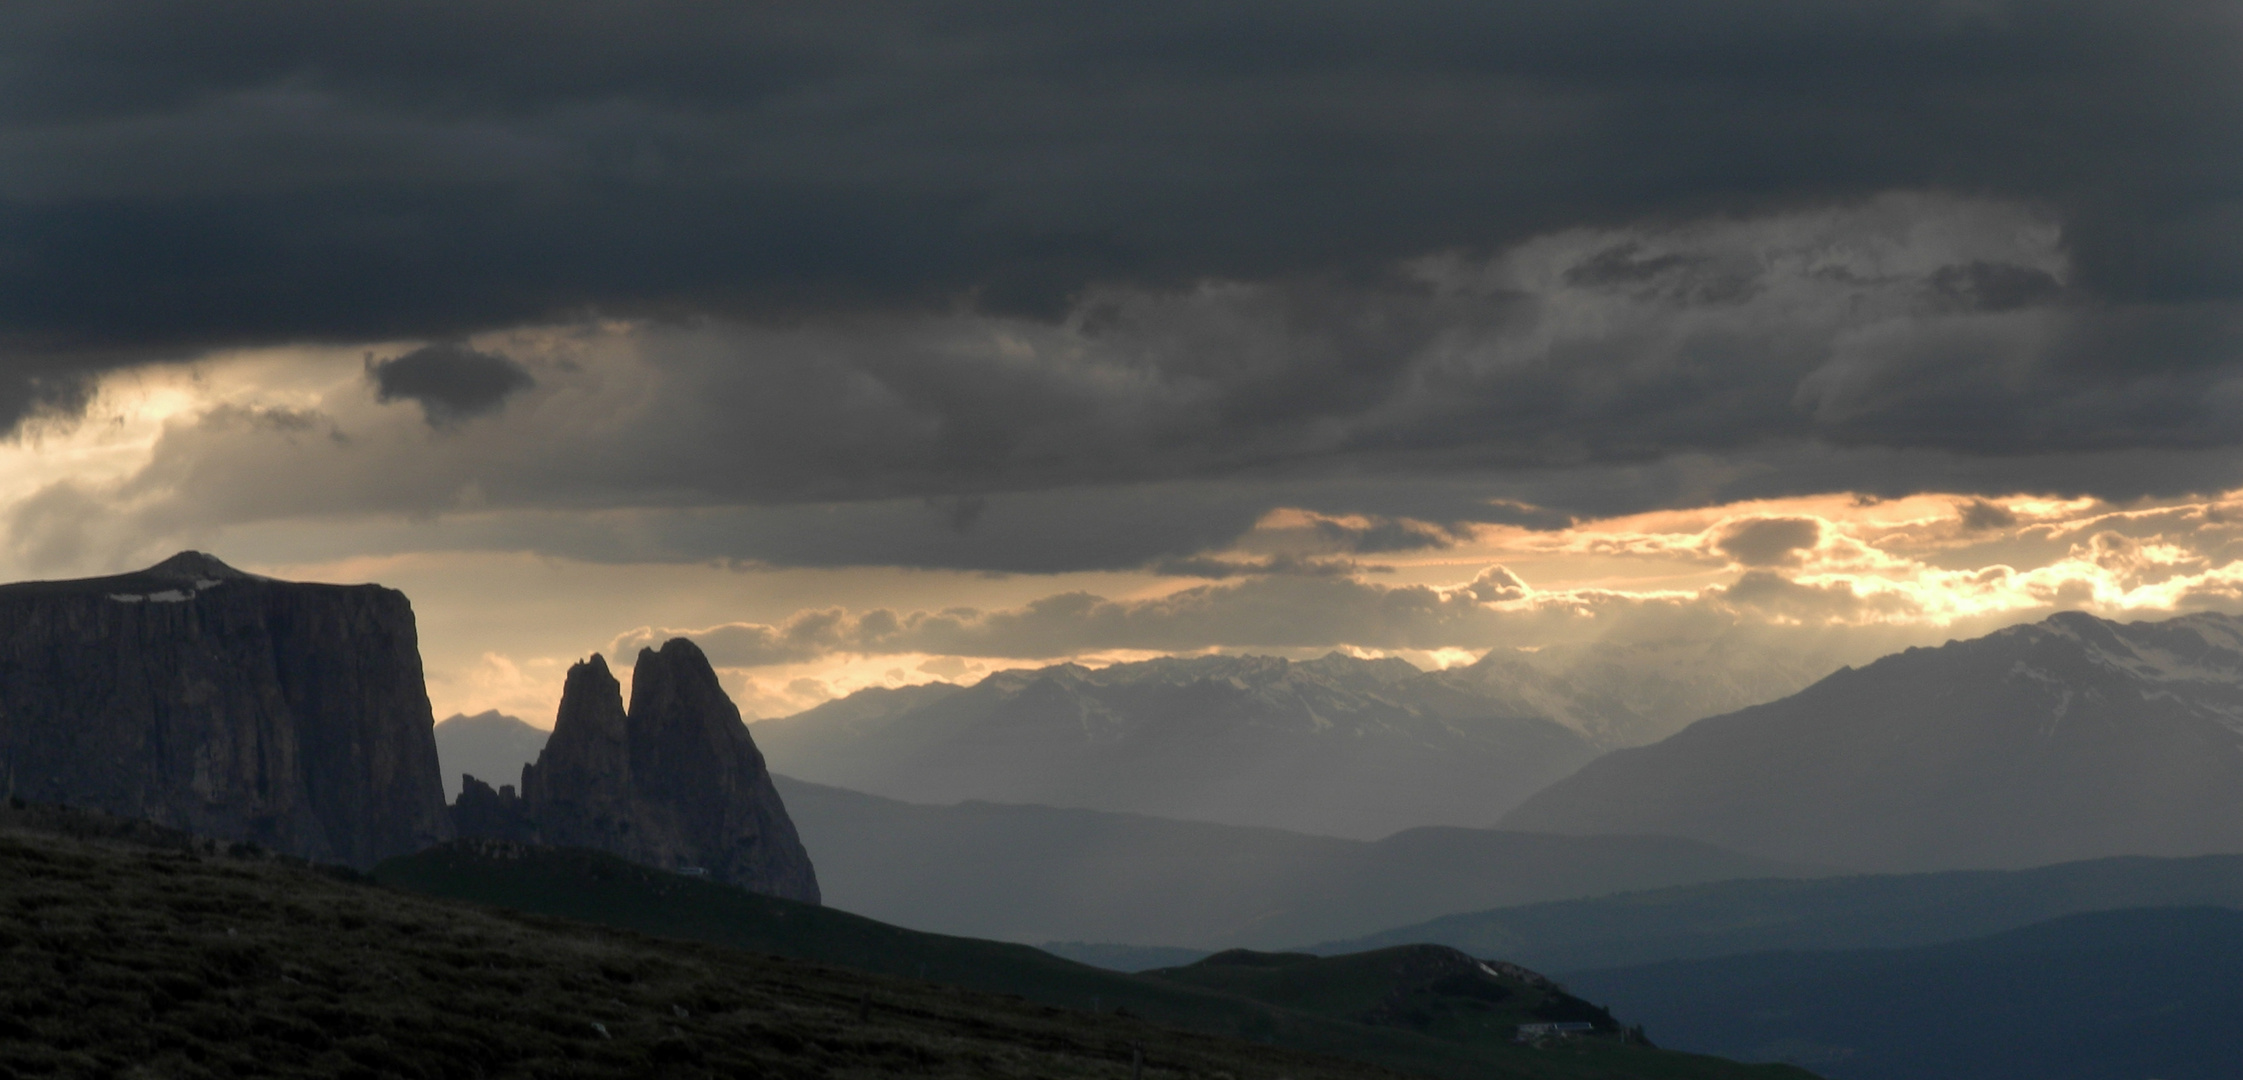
2069,738
1338,745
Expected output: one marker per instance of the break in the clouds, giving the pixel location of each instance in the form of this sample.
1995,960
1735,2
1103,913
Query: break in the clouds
1755,602
1924,565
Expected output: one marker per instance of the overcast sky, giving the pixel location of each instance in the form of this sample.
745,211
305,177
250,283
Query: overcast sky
879,342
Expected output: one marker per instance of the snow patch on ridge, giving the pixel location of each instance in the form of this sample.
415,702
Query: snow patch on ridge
167,596
2196,660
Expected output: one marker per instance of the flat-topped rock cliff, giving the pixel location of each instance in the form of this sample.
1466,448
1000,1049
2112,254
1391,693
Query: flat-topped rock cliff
229,705
675,781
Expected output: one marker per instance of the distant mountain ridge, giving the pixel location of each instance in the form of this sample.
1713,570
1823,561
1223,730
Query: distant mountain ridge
2066,739
2127,993
1339,745
488,744
1618,694
1862,911
1035,873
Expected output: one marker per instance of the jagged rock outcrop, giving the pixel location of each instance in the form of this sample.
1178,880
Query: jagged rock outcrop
675,781
487,744
484,814
233,706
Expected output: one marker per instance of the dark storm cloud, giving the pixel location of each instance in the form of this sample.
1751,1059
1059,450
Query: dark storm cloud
180,176
231,170
1978,515
451,382
1762,542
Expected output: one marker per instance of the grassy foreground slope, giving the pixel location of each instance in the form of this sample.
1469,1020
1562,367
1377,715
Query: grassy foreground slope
601,889
129,959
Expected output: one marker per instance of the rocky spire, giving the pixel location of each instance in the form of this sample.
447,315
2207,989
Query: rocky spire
676,781
580,789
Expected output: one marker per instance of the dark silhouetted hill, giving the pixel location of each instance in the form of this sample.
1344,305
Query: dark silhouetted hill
2138,993
594,887
1866,911
129,952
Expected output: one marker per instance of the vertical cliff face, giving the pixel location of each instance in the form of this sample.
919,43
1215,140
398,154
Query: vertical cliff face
199,697
675,781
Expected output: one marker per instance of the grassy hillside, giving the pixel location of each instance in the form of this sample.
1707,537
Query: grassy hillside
1430,989
122,958
1863,911
1124,957
2111,994
1038,873
598,888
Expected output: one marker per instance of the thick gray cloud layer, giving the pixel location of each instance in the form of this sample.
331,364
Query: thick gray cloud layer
185,172
950,251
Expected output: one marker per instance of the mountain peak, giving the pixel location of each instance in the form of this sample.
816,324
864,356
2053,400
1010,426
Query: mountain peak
674,781
196,566
1341,744
2071,738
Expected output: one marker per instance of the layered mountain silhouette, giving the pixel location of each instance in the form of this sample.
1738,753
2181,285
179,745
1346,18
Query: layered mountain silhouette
1853,911
233,706
1628,693
2071,738
1339,745
675,781
2110,994
1036,874
488,743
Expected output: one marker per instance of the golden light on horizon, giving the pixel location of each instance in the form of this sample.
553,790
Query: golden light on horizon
500,625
